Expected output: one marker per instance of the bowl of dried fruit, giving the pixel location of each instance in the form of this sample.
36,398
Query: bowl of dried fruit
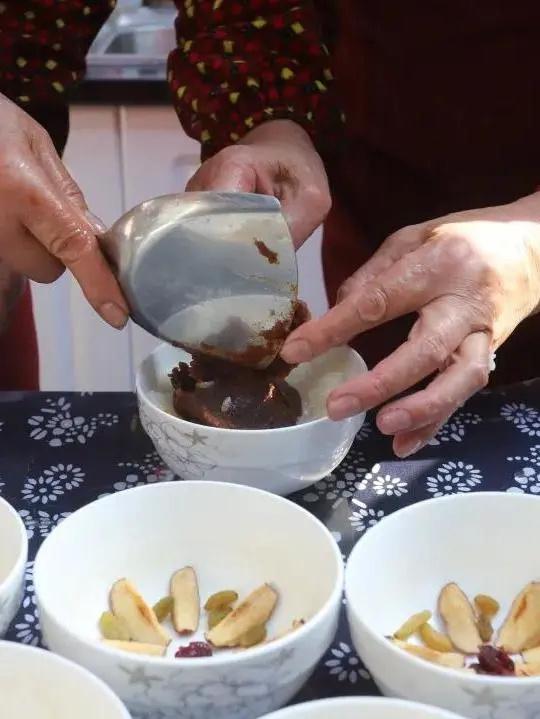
361,708
13,556
219,435
35,684
444,604
192,599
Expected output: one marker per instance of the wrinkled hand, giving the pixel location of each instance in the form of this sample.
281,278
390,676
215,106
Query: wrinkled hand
277,158
471,277
46,226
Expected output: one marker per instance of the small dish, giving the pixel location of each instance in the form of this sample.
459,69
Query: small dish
13,557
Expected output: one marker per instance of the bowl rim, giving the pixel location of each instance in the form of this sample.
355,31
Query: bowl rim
143,396
22,556
216,660
63,662
362,702
412,660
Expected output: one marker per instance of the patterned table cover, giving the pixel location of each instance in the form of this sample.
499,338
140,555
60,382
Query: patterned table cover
60,451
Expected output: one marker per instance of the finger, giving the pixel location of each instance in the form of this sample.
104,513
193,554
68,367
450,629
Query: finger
23,254
395,247
407,443
55,169
409,284
443,326
467,374
69,237
222,175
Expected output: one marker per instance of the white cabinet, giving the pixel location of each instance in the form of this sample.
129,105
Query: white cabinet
121,156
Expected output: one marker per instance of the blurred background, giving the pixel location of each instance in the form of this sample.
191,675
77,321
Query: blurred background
126,145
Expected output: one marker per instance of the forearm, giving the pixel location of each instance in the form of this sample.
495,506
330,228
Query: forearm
234,71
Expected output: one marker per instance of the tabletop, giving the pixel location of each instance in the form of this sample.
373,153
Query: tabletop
60,451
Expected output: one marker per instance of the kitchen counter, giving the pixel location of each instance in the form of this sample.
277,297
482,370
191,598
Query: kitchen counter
121,92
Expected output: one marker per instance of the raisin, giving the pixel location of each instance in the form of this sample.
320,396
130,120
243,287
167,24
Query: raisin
492,660
195,649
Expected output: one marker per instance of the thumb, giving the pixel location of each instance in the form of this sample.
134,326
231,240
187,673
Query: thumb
221,176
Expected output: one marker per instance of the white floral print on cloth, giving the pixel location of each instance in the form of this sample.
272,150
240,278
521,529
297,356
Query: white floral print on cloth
345,665
383,484
52,483
527,480
456,428
364,517
57,426
41,523
341,485
2,484
453,478
148,470
27,629
526,419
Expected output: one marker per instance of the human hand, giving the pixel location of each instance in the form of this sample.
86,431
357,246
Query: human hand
276,158
46,225
471,277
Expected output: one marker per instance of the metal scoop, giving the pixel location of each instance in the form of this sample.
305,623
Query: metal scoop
211,272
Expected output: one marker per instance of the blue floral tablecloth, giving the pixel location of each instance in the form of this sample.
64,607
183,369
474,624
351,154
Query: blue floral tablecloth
60,451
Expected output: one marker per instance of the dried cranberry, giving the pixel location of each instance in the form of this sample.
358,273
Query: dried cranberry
492,660
195,649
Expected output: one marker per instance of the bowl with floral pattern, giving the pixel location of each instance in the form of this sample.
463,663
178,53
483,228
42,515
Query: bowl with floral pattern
485,542
282,460
13,556
234,537
36,684
361,708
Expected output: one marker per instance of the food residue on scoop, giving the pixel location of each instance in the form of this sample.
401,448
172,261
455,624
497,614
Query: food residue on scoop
217,393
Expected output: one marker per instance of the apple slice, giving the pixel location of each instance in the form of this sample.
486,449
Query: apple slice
532,656
152,650
253,612
139,618
521,628
186,604
452,660
458,615
527,669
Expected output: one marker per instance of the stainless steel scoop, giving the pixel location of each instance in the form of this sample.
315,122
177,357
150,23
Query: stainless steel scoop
210,272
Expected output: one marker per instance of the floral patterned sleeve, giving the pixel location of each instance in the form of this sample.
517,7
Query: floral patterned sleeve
240,63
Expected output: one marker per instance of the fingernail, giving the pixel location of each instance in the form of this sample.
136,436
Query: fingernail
407,450
296,351
99,226
113,315
394,420
343,407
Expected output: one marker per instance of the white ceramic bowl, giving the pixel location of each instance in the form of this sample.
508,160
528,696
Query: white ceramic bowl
35,684
487,543
361,708
235,537
279,460
13,556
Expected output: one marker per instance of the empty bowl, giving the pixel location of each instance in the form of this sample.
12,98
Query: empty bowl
235,537
35,684
487,543
280,460
13,556
361,708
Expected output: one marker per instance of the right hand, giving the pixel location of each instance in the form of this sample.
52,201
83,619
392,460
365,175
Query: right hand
276,158
46,225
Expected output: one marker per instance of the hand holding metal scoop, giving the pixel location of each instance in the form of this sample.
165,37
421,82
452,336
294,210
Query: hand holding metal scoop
211,272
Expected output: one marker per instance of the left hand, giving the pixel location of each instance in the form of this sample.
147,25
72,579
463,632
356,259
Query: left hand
472,277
